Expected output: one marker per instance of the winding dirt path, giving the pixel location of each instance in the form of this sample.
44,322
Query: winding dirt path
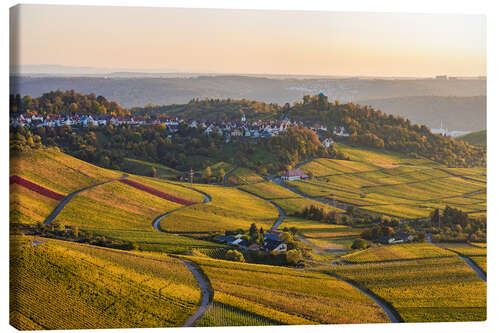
63,203
203,282
280,218
467,260
474,267
206,294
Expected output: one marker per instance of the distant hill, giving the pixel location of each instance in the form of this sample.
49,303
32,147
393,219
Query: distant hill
475,138
464,113
136,91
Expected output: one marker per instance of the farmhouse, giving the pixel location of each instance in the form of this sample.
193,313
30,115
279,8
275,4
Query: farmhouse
271,245
295,174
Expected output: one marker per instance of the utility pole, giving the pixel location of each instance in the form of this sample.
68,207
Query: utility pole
439,219
191,177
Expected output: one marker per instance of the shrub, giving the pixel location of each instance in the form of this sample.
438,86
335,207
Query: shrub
234,255
358,243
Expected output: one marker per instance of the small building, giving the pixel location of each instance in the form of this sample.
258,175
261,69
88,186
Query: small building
253,247
295,174
273,235
274,246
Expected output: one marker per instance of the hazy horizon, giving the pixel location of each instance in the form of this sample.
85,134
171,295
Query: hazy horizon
253,42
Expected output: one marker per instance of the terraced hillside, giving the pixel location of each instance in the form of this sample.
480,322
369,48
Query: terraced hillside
64,285
257,293
394,185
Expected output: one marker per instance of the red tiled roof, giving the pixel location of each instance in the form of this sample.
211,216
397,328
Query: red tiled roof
295,173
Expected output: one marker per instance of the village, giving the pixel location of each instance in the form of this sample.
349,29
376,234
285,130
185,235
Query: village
230,129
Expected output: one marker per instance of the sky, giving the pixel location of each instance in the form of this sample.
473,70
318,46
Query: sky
249,41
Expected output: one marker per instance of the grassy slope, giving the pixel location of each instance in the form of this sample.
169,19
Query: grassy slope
144,168
475,138
63,285
286,295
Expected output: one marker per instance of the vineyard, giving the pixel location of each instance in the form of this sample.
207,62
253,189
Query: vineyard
35,188
379,253
57,171
244,176
221,314
229,209
123,212
438,289
285,295
62,285
389,184
290,202
29,207
323,235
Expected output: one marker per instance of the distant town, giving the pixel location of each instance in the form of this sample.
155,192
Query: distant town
230,129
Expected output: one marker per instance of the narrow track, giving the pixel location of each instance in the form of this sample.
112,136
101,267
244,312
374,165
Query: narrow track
203,282
67,199
474,267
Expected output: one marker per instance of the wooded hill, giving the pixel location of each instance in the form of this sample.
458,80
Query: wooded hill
65,103
367,127
213,109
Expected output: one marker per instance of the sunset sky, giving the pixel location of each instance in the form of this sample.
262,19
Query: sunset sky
250,41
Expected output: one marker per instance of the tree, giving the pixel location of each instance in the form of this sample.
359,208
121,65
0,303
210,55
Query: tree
153,172
387,231
234,255
358,243
293,257
208,172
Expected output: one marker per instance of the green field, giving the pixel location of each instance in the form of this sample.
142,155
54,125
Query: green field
285,295
437,289
475,138
244,176
144,168
64,285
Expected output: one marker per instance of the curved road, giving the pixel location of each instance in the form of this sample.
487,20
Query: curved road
203,282
391,313
63,203
469,262
280,218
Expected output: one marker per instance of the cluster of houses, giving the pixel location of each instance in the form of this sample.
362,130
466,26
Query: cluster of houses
271,243
229,129
395,238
